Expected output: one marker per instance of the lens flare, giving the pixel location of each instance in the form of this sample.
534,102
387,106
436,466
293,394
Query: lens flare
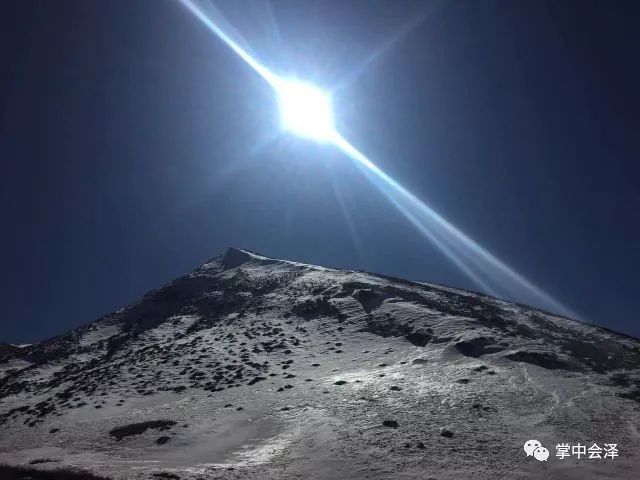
214,20
306,111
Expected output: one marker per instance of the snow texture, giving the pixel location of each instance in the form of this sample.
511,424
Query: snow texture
251,367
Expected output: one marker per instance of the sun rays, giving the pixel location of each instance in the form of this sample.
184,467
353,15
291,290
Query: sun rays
306,112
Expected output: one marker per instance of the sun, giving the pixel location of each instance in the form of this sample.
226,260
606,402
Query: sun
305,110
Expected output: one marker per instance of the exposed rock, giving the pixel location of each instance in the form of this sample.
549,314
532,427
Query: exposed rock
544,360
222,334
162,440
478,346
137,428
444,432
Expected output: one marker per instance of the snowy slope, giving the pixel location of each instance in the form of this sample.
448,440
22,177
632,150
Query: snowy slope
251,367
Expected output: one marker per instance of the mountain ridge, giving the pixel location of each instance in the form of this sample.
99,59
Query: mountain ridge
309,353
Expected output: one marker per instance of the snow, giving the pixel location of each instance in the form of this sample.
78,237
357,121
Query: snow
98,333
217,349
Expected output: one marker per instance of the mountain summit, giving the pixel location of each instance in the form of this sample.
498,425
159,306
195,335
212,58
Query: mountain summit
251,367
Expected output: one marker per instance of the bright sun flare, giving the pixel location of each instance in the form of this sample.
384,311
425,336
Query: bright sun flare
305,110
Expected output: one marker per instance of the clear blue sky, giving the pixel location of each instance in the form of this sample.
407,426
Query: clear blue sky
135,145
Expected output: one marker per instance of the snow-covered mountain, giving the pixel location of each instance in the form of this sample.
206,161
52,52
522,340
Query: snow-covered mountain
256,368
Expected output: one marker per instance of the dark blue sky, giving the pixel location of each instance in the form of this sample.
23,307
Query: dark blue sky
134,145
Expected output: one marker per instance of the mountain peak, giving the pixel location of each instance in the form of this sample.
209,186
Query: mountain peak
234,257
272,363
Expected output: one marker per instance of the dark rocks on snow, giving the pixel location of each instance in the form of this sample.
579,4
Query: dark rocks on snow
221,351
138,428
543,360
631,395
41,460
478,346
446,432
419,337
369,299
256,380
162,440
